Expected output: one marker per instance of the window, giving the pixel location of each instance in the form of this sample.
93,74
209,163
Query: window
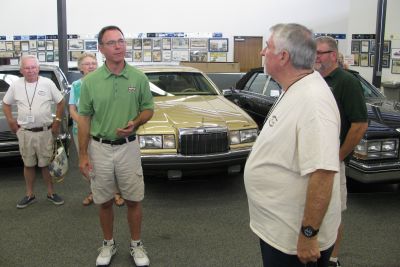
257,84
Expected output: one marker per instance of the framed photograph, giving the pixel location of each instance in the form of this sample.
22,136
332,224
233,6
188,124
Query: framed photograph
147,44
372,46
199,43
156,56
129,44
147,55
166,55
364,46
180,55
356,59
49,45
386,47
17,46
385,61
55,43
137,44
50,56
91,45
218,57
128,56
75,44
25,46
364,60
41,56
6,54
395,53
198,56
2,46
56,58
41,45
157,43
180,43
137,56
396,66
9,46
371,60
166,43
218,44
74,55
32,45
355,46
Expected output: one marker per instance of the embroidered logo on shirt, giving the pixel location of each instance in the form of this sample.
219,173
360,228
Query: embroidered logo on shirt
131,89
272,121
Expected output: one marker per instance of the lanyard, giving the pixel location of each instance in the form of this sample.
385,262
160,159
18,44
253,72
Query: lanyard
34,92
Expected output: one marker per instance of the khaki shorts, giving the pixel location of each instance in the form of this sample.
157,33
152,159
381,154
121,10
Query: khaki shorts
36,148
343,186
116,168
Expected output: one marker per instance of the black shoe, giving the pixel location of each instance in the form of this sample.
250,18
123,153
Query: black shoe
26,201
56,199
334,264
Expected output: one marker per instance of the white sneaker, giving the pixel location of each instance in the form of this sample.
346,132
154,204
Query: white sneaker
106,254
139,255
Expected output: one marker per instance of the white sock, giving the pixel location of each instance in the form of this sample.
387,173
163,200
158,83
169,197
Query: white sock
333,259
135,243
109,242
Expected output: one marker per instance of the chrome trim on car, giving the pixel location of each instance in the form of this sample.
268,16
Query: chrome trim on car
375,167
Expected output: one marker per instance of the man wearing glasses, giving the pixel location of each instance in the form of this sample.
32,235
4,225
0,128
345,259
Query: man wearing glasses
115,101
353,113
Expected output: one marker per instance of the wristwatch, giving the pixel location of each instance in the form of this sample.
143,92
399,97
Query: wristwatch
309,231
57,119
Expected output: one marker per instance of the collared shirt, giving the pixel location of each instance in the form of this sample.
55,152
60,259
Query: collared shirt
113,100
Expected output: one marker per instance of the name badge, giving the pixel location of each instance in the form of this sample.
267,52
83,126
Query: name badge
30,118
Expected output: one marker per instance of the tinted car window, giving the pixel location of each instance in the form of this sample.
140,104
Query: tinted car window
257,83
273,89
368,89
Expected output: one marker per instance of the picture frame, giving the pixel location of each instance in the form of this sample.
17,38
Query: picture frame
180,43
180,55
9,46
386,47
157,43
74,55
55,44
32,45
24,46
166,44
364,46
166,55
2,46
147,55
355,46
50,56
91,45
6,54
147,44
17,46
199,43
41,56
41,45
137,43
385,61
75,44
49,45
157,55
129,44
364,59
395,53
372,46
198,56
128,56
371,60
56,58
356,59
218,57
137,56
395,66
218,44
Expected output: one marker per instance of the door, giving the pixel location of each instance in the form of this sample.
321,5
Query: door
247,52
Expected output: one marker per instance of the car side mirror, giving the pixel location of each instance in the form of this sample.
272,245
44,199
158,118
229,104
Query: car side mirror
227,92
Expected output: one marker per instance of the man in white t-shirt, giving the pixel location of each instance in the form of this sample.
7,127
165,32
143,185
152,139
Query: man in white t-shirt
291,176
34,125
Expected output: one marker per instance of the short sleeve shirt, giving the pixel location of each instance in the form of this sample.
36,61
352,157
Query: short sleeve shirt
74,99
113,100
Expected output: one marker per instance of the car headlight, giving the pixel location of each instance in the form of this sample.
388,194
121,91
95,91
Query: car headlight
243,136
377,149
166,141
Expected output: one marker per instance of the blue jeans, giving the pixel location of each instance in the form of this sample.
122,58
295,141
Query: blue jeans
274,258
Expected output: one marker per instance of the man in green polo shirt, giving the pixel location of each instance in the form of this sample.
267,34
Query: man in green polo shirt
115,101
353,113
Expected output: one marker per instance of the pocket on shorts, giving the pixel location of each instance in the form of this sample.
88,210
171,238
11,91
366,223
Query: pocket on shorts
139,173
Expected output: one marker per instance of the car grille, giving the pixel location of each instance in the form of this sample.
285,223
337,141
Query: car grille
201,141
8,141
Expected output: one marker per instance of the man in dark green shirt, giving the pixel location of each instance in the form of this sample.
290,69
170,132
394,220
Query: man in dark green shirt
349,96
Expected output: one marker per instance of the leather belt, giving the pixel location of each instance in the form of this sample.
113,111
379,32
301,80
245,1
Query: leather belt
116,142
38,129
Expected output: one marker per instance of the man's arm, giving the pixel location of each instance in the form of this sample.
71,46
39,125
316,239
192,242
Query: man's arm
59,115
319,193
353,137
142,118
12,122
83,139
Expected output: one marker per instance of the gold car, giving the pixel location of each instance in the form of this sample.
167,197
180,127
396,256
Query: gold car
194,128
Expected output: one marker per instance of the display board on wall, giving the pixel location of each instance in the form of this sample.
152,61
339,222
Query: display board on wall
363,49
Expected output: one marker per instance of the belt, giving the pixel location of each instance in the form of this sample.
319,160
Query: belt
116,142
38,129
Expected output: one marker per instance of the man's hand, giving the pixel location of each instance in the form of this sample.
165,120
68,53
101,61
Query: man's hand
85,167
308,249
14,125
127,131
55,128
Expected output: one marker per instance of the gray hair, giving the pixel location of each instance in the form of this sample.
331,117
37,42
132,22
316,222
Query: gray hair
332,44
25,57
298,41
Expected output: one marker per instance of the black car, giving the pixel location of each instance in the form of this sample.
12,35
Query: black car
8,140
375,158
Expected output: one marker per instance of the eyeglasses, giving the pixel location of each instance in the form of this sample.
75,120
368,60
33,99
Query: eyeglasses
323,52
89,64
113,43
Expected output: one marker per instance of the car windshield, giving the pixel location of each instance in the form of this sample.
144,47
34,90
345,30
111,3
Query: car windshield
179,83
6,80
369,90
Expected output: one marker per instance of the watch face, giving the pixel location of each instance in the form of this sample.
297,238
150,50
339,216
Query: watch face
308,231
